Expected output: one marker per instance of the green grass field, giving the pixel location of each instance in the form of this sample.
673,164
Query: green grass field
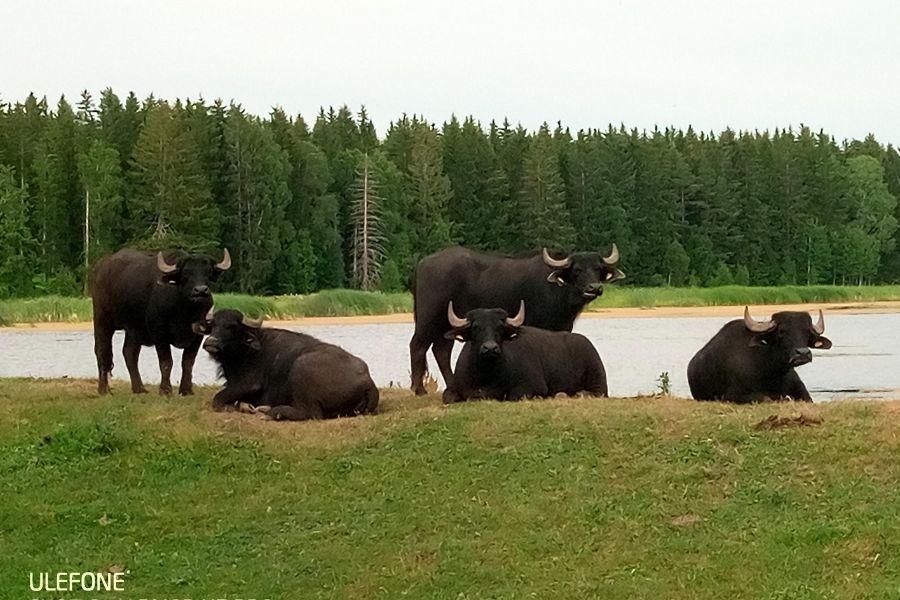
566,498
335,303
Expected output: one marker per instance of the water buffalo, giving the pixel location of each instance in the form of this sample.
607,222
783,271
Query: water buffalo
556,290
291,376
750,361
155,298
505,360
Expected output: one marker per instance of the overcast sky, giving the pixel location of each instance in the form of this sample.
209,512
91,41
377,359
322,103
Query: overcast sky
710,64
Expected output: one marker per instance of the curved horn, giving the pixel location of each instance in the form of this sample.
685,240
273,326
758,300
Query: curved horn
819,327
254,323
226,262
517,320
552,262
613,257
757,326
209,315
455,321
162,265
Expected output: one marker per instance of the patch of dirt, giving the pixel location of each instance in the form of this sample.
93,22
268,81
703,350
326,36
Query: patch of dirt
782,422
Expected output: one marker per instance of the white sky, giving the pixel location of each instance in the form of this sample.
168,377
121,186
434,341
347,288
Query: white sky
747,64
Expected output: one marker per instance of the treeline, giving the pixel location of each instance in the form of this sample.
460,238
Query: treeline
304,208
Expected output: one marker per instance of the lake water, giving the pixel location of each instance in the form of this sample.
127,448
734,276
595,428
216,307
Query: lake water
864,362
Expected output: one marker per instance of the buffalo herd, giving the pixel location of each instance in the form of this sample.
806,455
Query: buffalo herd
513,316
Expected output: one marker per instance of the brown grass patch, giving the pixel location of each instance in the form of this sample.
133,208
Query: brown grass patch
783,422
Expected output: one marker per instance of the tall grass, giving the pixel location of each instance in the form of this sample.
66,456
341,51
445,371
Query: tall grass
337,303
626,297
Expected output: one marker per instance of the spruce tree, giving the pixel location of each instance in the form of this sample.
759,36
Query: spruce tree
542,216
170,203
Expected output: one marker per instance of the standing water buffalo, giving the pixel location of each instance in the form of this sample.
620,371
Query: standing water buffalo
291,376
155,298
749,361
555,290
502,359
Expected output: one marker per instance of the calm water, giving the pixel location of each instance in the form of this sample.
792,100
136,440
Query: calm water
863,363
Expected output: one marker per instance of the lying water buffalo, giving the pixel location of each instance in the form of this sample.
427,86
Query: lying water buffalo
749,361
556,290
289,375
155,298
502,359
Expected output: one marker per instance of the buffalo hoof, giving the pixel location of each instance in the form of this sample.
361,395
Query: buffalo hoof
263,409
165,390
451,397
140,390
247,409
186,390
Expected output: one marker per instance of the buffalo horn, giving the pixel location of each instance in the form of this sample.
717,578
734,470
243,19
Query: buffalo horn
455,321
209,315
613,257
162,265
757,326
254,323
819,327
555,263
226,262
517,320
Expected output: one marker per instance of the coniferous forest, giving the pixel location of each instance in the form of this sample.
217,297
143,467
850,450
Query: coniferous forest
304,206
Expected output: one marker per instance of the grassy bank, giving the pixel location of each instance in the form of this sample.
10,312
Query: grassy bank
566,498
335,303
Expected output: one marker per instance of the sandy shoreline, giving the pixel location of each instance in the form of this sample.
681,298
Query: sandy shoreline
759,311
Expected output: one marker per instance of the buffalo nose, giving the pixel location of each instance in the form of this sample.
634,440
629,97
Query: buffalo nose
490,349
596,287
801,356
211,345
201,290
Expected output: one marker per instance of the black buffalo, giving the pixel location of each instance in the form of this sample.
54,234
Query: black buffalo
555,291
155,298
501,359
750,361
291,376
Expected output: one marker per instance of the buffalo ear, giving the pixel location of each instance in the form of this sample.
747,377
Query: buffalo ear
510,332
556,277
821,342
613,274
458,334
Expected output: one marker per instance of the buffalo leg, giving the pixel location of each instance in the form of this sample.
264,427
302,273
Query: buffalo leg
164,353
442,350
418,348
186,387
104,353
132,350
286,412
795,388
230,396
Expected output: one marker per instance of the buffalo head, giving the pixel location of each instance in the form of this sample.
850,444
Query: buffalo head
230,333
192,273
583,273
788,336
486,328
